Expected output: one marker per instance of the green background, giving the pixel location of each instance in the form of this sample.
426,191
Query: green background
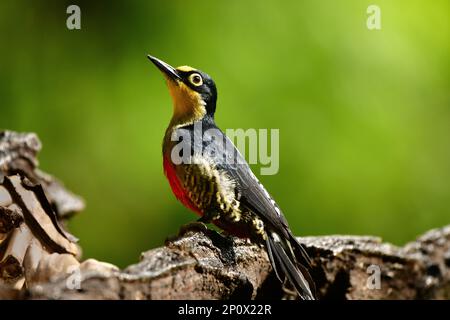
364,116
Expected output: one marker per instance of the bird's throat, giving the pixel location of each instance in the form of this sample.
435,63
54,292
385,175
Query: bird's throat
188,105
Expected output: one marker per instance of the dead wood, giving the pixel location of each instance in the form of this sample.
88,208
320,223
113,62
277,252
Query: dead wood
38,258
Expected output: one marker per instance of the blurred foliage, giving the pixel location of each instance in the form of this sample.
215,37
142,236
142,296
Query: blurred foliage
364,116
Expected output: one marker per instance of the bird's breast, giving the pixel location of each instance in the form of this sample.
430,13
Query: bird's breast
177,188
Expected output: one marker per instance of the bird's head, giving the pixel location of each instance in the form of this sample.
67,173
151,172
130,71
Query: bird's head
193,92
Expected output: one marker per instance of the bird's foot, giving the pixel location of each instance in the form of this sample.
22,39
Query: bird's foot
198,225
185,228
209,217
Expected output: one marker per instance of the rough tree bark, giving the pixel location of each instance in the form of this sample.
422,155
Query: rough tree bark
202,264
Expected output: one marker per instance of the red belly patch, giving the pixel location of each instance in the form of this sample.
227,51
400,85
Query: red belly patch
177,187
238,229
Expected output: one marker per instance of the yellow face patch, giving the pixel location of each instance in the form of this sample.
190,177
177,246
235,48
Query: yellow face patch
188,105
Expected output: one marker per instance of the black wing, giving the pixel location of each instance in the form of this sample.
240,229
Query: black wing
288,257
253,195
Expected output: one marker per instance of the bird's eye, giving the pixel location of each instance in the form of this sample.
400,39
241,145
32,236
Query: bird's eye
196,79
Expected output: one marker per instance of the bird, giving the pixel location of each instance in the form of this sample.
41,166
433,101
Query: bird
210,177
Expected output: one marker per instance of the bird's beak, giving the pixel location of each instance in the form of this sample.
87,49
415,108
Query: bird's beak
169,71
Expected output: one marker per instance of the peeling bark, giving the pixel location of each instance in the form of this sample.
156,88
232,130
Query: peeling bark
38,259
33,244
205,265
18,155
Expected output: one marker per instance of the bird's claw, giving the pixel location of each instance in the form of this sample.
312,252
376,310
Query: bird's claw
192,226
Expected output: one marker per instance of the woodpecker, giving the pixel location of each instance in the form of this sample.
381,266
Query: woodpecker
212,179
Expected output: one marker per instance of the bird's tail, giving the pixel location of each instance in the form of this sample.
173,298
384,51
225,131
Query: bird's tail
291,263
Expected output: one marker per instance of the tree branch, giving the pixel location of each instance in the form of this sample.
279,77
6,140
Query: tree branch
199,264
204,265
